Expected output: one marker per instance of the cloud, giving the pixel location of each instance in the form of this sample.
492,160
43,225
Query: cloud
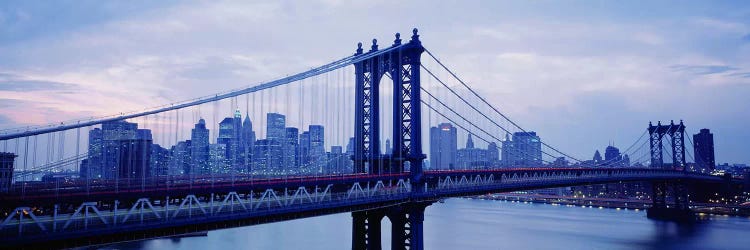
741,74
4,119
15,83
547,69
704,69
722,25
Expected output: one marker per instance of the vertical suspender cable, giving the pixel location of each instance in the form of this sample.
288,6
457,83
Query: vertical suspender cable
25,168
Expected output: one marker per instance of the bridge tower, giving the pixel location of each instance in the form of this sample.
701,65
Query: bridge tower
676,132
402,64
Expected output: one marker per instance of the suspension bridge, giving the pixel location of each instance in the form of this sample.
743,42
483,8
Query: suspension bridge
261,154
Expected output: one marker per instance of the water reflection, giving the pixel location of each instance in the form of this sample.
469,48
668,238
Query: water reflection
480,224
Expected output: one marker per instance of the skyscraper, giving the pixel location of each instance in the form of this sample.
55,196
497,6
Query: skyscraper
529,148
336,160
597,158
118,150
217,158
159,160
276,138
267,156
275,126
91,167
304,149
469,142
248,141
612,157
112,134
703,147
180,161
348,162
231,136
135,155
317,147
199,149
443,146
508,153
291,148
471,157
493,154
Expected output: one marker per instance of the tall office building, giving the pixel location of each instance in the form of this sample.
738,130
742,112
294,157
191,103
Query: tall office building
248,141
290,149
112,134
508,153
597,158
199,142
159,160
317,147
471,157
304,149
135,155
180,161
275,126
336,160
348,162
276,138
267,156
118,150
612,157
217,159
528,147
443,146
469,142
230,134
493,154
703,147
91,167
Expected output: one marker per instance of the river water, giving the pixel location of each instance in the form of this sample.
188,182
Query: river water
485,224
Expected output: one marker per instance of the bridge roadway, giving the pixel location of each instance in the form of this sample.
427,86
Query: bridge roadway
69,216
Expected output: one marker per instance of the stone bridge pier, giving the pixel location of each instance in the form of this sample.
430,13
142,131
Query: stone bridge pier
406,227
676,209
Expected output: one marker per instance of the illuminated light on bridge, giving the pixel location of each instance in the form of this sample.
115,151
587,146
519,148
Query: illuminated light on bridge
179,169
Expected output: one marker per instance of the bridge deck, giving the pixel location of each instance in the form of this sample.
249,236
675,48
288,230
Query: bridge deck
76,216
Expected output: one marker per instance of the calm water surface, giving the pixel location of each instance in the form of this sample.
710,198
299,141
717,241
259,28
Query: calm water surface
483,224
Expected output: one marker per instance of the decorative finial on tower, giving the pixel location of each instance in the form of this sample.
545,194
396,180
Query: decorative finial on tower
398,39
659,123
672,122
414,36
650,124
359,48
374,45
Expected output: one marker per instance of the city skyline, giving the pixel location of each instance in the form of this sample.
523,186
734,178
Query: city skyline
166,125
701,47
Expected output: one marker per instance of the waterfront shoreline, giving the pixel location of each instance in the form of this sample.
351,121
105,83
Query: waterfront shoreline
611,203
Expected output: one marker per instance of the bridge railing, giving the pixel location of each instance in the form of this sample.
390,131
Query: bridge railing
110,216
467,182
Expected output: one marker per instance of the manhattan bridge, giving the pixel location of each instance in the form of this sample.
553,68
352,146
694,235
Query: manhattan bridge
184,168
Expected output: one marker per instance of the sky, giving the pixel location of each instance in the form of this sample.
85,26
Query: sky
583,74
